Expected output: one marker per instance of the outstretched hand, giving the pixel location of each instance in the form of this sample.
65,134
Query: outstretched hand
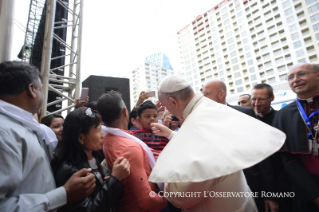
160,130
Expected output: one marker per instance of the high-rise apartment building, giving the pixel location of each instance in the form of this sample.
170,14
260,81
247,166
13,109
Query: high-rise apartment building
159,59
146,77
248,42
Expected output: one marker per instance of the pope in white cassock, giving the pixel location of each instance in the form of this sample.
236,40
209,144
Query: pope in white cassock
206,157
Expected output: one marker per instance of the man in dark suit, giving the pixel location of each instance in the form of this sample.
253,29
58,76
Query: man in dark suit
260,177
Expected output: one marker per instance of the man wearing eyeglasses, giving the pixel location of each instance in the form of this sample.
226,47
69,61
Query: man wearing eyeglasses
299,120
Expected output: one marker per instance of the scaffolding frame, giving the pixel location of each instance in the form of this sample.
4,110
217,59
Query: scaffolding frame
69,88
35,13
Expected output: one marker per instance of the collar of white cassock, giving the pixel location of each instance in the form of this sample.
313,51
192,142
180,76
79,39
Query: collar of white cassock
118,132
26,119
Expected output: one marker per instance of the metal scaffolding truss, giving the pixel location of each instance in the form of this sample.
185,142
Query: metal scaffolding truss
68,86
35,13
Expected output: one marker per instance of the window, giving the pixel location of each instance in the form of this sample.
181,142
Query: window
281,68
232,54
286,4
253,77
268,64
297,44
250,62
314,18
240,89
227,28
316,27
226,22
225,16
270,72
224,10
288,12
313,8
279,60
296,35
247,47
238,82
300,53
272,80
236,75
231,47
310,1
221,73
283,77
302,60
248,55
234,60
292,27
290,19
229,34
235,68
317,36
229,41
245,40
252,69
239,14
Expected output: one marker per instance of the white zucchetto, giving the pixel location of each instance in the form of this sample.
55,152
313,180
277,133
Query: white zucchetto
172,83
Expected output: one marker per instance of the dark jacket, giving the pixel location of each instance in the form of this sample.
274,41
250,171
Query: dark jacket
102,198
261,176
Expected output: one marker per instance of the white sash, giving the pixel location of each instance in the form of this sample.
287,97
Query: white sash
26,119
118,132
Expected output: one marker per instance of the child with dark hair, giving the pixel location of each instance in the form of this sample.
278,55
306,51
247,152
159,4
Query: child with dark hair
147,114
133,123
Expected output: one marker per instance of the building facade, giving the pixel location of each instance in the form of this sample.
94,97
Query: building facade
248,42
146,77
159,59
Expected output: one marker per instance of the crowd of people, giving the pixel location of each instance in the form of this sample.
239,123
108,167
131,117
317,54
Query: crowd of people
186,152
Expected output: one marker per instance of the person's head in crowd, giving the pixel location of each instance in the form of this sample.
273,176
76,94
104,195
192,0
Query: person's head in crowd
261,96
303,80
245,100
175,93
113,110
82,135
133,122
55,122
147,114
92,105
174,123
20,85
215,90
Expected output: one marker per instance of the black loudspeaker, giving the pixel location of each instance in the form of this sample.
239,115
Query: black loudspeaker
99,85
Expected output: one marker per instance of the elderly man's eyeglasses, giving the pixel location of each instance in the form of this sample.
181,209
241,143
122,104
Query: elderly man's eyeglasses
300,75
90,113
259,99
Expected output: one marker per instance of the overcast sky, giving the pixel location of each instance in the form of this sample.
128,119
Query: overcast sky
118,35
